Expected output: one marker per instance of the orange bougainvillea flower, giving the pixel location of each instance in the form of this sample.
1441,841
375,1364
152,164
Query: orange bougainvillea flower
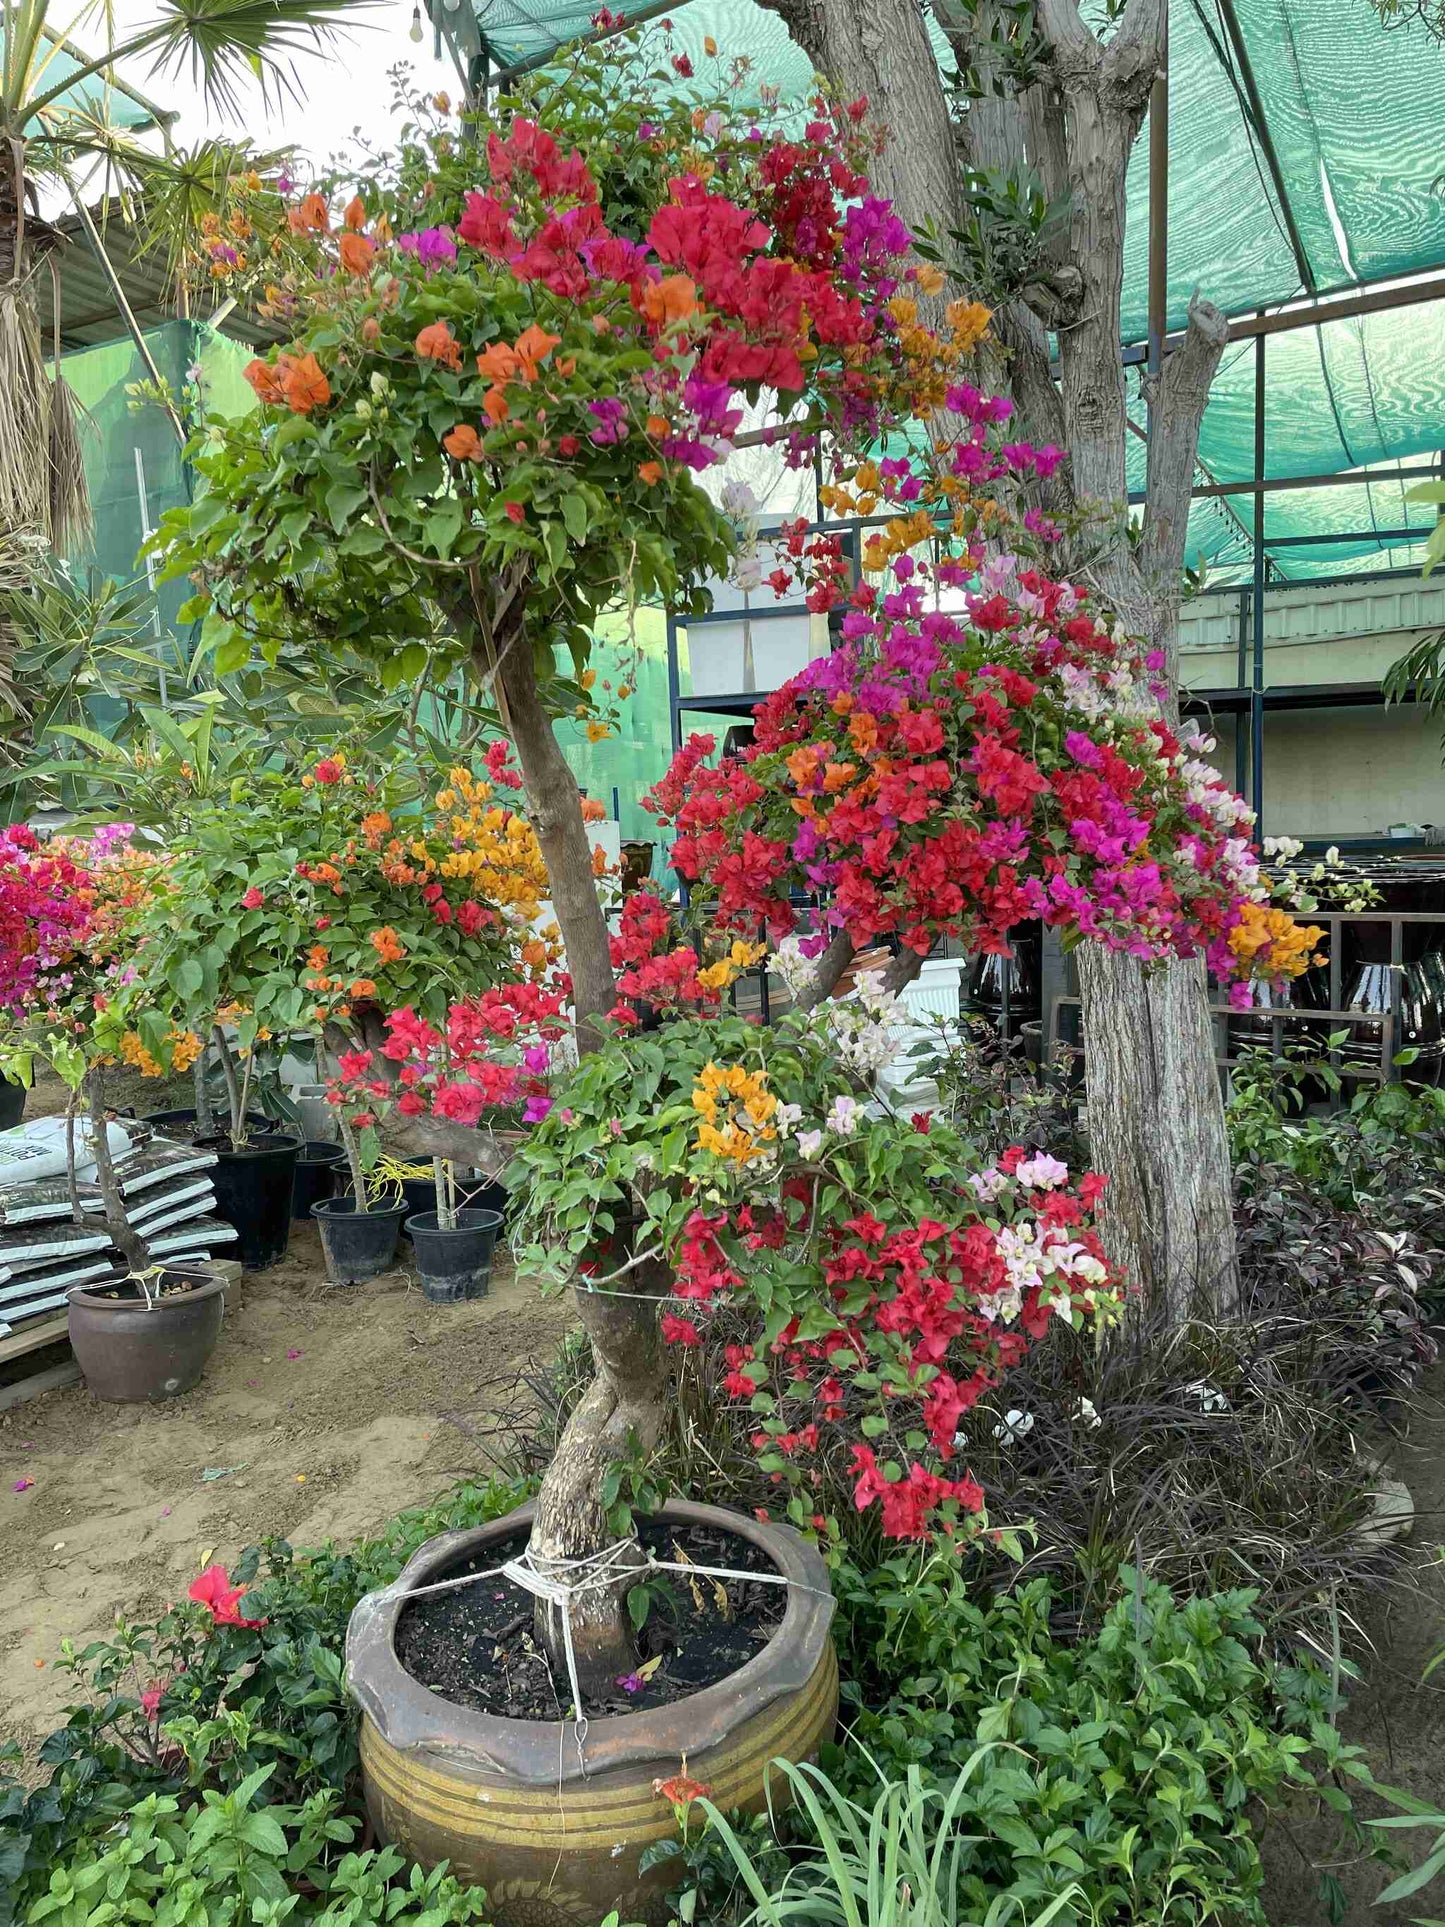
498,363
387,944
357,253
650,472
658,426
534,345
437,343
673,298
314,215
363,987
355,215
494,405
464,443
262,377
303,384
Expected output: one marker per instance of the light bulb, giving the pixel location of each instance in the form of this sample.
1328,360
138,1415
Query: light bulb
451,5
416,33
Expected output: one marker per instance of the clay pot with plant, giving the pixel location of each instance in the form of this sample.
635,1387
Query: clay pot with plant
709,1159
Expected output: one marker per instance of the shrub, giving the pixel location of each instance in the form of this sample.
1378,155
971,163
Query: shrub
231,1858
1015,1775
192,1707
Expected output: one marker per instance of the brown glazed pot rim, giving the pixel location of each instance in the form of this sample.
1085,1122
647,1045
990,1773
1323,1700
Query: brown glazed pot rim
119,1307
409,1715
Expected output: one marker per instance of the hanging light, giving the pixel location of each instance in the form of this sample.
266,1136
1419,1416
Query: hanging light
416,33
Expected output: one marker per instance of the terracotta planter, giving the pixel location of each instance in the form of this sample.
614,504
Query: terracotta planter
131,1355
508,1803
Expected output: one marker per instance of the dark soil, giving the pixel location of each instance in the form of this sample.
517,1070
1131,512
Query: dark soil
476,1647
171,1284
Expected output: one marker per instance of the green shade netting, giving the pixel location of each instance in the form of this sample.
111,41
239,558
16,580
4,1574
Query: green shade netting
92,96
1349,108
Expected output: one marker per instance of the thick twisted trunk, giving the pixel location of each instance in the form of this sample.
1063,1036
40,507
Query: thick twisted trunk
623,1409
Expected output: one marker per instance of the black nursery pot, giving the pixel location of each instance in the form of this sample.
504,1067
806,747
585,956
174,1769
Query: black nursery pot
12,1104
358,1245
253,1193
316,1168
474,1194
169,1120
454,1263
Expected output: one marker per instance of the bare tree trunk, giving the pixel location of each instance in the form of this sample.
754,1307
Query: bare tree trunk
131,1246
624,1407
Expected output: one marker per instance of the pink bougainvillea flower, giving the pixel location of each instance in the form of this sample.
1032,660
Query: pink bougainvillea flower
213,1589
253,899
150,1700
23,1485
294,1354
630,1682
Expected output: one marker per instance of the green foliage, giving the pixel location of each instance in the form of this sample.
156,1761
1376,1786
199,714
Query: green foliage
232,1858
1016,1775
235,1702
349,526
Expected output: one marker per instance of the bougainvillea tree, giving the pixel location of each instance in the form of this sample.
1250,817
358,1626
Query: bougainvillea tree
511,355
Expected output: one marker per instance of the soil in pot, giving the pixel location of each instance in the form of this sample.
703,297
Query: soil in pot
317,1165
131,1351
475,1646
454,1262
358,1245
182,1124
254,1187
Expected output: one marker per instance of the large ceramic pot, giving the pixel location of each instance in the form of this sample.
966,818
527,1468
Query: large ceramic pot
131,1353
553,1837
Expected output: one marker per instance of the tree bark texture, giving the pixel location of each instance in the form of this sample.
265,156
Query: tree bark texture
1155,1107
624,1407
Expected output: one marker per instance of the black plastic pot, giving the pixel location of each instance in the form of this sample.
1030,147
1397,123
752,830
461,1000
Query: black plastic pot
473,1194
168,1120
253,1193
454,1263
358,1245
12,1104
317,1165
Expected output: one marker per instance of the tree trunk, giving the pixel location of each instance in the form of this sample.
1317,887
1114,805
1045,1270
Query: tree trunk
620,1415
1156,1127
624,1407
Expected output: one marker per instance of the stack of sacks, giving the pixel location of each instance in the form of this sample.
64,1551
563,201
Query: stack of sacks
166,1189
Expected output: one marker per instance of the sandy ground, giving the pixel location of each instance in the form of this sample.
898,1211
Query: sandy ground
329,1410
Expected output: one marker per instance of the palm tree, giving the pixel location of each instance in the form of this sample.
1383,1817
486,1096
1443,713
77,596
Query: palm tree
55,119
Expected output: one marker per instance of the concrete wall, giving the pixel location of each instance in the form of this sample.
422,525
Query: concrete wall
1329,772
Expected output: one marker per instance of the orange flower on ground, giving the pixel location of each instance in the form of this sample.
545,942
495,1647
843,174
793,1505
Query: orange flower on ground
650,472
464,443
437,343
355,215
498,363
534,345
672,299
357,253
262,377
302,383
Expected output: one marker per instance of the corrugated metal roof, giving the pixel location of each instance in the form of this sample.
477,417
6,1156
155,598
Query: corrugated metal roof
89,313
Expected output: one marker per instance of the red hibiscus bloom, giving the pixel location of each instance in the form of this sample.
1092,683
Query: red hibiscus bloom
213,1588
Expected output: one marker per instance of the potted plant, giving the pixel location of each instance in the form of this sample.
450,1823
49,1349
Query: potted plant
509,355
453,1244
73,999
358,1239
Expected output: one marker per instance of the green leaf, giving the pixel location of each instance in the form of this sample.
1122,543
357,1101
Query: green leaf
574,514
342,501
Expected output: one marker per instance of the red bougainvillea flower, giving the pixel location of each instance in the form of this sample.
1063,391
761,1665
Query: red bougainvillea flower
328,771
681,1790
213,1589
253,899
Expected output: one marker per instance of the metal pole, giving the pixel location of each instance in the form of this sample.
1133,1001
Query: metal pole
1256,694
145,534
1159,208
1241,761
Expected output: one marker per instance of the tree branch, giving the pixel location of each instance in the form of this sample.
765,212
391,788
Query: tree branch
1179,400
826,978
